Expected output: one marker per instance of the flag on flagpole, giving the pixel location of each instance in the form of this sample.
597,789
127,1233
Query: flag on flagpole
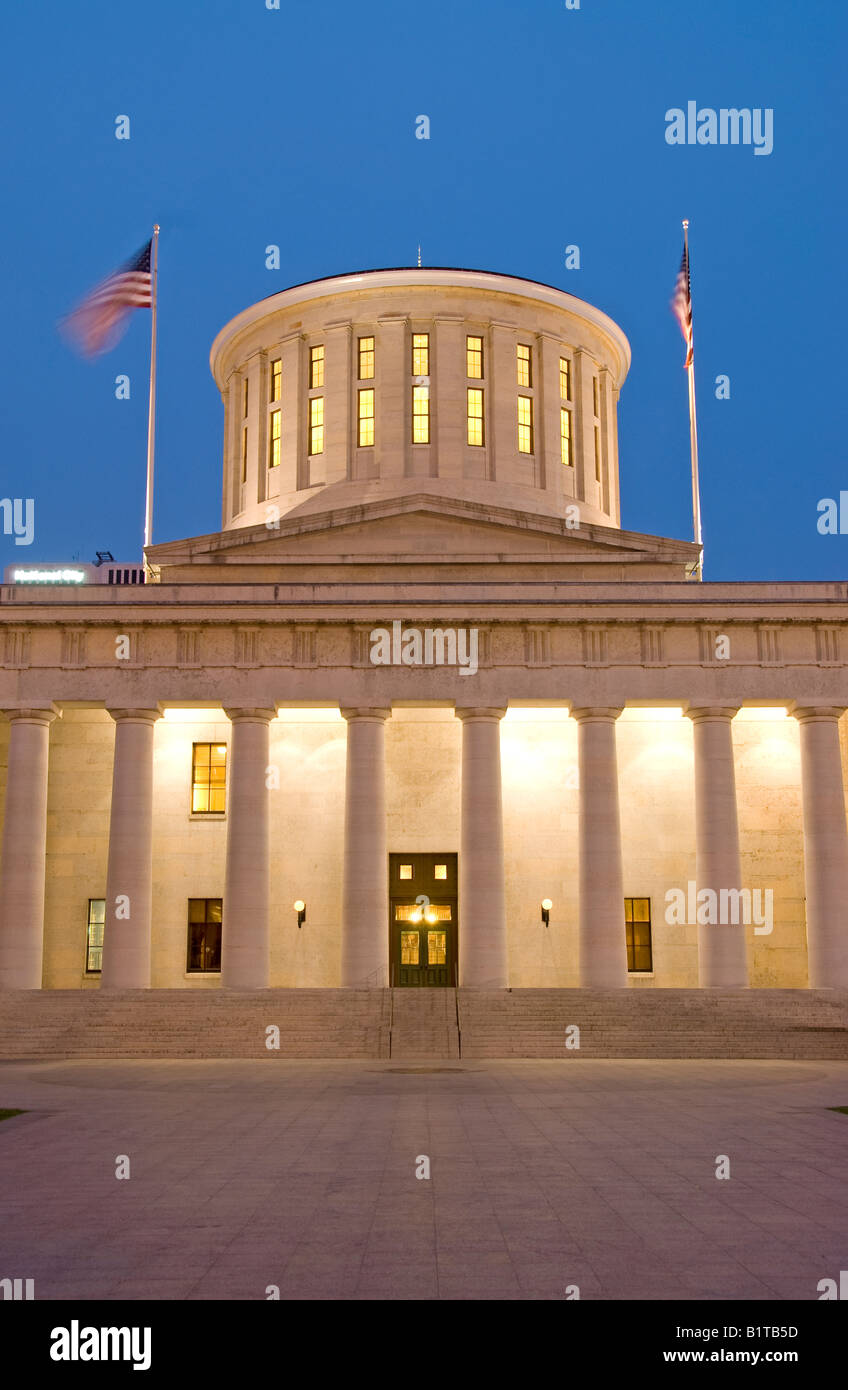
681,304
98,323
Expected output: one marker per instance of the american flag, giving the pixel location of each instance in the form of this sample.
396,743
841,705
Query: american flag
681,304
98,322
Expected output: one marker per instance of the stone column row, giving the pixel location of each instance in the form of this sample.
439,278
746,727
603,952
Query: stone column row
127,940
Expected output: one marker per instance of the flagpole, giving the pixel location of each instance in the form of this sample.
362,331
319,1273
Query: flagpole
151,412
693,430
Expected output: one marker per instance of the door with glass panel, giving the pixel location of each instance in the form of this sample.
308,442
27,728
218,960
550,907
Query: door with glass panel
423,925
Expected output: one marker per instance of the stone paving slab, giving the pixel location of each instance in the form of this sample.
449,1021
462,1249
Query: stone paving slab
301,1174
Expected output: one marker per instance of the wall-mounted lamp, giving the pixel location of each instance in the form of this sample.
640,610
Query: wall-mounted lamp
546,911
300,909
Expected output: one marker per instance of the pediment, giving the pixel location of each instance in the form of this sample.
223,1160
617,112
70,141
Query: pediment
414,530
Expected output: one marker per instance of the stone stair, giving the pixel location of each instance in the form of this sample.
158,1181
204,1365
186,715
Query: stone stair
766,1023
422,1023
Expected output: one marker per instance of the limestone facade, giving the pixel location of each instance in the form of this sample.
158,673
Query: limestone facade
625,732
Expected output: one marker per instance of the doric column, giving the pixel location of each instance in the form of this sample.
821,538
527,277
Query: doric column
603,943
825,846
482,897
129,876
722,951
244,932
365,906
23,855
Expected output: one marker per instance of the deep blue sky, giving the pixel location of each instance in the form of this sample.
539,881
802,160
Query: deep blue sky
252,126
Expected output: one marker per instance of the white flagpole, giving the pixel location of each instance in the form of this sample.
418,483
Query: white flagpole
151,412
693,432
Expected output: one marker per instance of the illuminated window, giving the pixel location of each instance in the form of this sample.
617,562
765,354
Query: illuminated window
94,935
474,415
244,455
474,357
637,920
208,777
525,424
564,379
405,871
244,412
421,354
366,418
204,935
366,359
316,425
274,440
316,367
276,380
597,454
595,394
409,948
565,434
437,947
440,871
421,415
523,365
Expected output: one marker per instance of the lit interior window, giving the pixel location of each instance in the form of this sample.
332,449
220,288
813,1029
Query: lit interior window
474,357
94,938
421,415
565,379
208,777
522,361
274,440
366,359
316,367
409,948
405,871
276,379
316,425
440,871
366,418
565,434
474,414
525,424
421,354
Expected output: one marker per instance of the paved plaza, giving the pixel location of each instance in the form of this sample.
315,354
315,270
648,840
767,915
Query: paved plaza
543,1175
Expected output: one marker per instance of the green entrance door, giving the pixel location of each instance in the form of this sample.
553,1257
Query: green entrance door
423,925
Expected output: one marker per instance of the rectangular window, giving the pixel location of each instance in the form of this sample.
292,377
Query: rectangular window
474,415
597,454
474,357
316,425
637,919
365,435
94,935
316,367
274,440
246,395
525,424
421,415
564,379
276,379
565,434
204,936
244,455
366,359
421,354
595,395
208,777
524,365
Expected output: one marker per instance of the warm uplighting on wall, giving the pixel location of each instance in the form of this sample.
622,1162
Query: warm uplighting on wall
752,713
194,716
